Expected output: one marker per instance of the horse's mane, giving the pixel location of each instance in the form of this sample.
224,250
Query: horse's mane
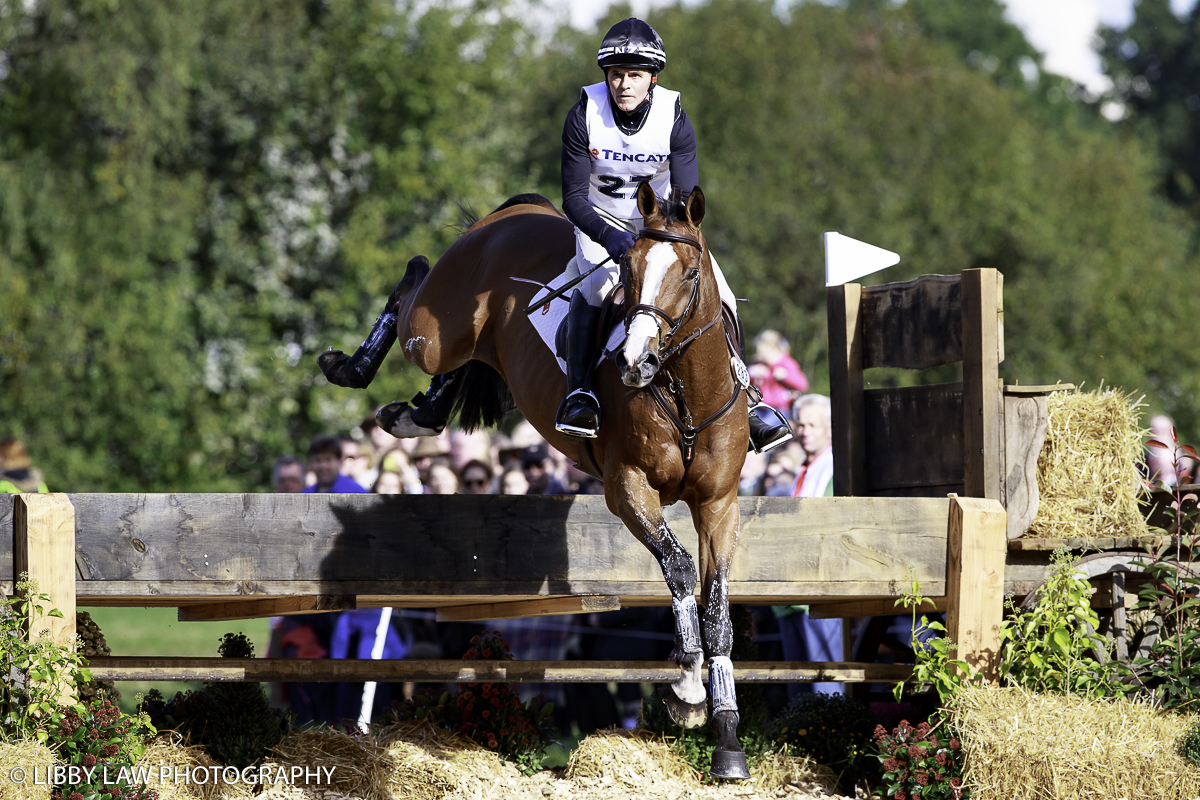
673,209
470,219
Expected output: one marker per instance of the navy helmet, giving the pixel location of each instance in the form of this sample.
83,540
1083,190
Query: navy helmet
632,43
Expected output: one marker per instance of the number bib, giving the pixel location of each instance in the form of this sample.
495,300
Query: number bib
619,161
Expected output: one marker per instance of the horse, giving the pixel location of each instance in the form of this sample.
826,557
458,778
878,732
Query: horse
464,320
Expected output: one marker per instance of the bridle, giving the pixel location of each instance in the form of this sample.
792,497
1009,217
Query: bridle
682,418
673,324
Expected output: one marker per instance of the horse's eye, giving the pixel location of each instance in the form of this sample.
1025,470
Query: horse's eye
692,274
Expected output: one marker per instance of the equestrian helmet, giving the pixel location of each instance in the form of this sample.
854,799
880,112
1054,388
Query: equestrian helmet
632,43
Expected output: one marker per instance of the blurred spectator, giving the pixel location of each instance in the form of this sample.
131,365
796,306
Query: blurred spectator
466,447
582,483
388,483
325,459
775,372
17,473
804,638
535,463
509,448
397,460
287,476
814,427
1160,461
476,477
423,455
356,462
513,481
442,479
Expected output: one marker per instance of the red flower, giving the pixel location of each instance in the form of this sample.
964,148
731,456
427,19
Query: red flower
921,777
491,743
524,741
955,783
923,729
487,653
891,765
504,731
75,796
901,794
486,714
916,795
880,733
955,744
916,752
89,760
941,759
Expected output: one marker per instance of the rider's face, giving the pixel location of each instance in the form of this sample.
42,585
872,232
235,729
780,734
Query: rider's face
628,87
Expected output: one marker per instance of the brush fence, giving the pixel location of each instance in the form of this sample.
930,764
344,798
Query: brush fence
240,556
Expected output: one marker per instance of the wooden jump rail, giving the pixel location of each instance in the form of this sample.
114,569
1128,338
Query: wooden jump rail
240,556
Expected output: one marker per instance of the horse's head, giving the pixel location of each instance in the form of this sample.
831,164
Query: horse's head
662,275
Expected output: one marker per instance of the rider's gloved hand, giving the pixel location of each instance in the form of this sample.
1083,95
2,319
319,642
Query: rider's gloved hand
616,242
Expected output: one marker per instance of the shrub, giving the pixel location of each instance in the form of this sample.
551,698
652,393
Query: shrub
491,714
233,721
34,667
102,740
919,763
829,728
1189,745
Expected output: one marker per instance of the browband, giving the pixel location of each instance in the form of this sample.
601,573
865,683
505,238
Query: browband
668,236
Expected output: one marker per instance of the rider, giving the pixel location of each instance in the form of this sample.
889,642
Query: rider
623,131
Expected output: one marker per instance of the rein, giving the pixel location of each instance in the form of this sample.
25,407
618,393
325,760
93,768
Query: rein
682,419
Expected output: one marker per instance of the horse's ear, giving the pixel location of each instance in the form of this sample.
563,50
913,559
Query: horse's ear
695,207
646,201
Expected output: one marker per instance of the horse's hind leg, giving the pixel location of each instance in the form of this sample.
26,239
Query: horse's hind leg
638,507
428,412
717,524
357,371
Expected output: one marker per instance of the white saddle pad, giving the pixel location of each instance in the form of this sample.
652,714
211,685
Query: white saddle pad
547,320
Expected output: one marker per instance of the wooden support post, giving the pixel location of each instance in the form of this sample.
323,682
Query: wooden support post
846,389
975,580
983,350
44,548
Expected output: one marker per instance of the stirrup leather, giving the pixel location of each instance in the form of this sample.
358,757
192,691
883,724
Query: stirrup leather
576,430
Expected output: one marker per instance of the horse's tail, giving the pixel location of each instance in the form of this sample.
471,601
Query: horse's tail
484,399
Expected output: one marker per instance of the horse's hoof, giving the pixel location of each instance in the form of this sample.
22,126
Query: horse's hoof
396,419
729,765
684,714
333,365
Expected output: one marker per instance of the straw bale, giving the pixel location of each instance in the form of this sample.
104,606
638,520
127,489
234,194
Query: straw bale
170,751
362,765
635,759
777,770
29,756
1087,471
1020,746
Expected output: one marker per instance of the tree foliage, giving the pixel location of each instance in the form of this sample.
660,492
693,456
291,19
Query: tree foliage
198,197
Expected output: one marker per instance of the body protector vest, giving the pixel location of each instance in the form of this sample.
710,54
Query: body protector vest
621,161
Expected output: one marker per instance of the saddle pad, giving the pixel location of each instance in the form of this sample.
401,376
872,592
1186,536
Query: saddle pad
547,321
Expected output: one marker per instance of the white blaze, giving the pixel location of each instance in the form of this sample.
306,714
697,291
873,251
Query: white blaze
644,326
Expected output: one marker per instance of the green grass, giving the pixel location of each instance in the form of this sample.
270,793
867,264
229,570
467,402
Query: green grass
158,632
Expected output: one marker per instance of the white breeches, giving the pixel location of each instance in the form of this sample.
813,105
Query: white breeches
595,287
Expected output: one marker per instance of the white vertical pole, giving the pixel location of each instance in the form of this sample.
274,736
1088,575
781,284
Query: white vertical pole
368,697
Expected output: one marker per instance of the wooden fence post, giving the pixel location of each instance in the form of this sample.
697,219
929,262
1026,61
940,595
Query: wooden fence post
978,544
44,547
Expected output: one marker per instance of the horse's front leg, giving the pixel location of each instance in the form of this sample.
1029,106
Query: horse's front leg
717,524
631,498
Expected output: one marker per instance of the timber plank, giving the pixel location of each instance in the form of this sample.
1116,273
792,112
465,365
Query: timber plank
273,607
521,609
983,345
444,670
1026,419
495,545
916,324
900,423
975,578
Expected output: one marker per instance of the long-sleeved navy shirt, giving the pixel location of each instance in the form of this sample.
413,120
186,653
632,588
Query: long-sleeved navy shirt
577,161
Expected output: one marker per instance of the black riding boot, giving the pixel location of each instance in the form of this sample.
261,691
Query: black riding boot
768,427
579,414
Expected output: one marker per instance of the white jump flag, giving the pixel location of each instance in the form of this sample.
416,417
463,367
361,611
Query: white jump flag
848,259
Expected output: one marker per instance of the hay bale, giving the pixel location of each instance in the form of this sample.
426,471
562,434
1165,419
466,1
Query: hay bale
171,751
778,770
1020,746
1088,468
362,766
635,759
29,756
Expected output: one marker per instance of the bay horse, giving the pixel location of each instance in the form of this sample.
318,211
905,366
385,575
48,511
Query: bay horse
464,320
